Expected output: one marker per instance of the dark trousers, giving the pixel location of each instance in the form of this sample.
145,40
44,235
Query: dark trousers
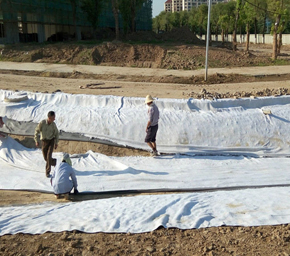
151,133
47,149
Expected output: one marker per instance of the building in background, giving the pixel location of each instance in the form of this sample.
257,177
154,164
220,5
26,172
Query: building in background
42,20
168,6
186,5
177,5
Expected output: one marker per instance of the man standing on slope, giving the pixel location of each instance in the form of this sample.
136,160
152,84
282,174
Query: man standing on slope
49,138
152,125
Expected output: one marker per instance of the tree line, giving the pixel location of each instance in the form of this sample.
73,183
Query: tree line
239,16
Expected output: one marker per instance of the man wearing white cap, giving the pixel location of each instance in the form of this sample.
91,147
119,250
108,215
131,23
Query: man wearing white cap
63,179
152,124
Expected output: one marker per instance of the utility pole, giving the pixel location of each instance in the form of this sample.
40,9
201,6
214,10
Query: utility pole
207,39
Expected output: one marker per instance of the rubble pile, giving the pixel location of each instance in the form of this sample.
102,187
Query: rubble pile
204,94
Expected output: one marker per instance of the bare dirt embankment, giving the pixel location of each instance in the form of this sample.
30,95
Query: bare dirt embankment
265,240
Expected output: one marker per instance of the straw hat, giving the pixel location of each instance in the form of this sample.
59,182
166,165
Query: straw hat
66,158
148,99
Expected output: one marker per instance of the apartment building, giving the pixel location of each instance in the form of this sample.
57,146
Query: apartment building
168,6
186,5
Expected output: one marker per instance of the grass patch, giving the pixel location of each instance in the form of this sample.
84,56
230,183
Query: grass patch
280,62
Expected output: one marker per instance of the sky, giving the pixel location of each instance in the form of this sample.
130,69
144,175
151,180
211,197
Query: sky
158,6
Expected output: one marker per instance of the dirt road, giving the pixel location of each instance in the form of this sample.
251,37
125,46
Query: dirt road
133,82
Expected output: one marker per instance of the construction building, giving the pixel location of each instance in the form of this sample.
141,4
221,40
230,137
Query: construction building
40,20
186,5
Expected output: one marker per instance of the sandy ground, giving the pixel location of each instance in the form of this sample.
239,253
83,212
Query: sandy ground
265,240
107,86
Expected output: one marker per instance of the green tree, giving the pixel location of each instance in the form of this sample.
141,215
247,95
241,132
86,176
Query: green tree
201,16
217,11
75,5
253,11
128,10
175,19
248,15
165,21
226,18
239,6
156,24
192,21
184,17
263,14
179,19
279,13
125,9
115,9
92,8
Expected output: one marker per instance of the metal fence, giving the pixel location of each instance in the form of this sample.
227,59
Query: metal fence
259,39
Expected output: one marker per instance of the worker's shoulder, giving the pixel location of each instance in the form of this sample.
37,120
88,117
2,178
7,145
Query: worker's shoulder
41,123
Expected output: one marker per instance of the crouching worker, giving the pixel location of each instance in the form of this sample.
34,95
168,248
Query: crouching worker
2,123
63,179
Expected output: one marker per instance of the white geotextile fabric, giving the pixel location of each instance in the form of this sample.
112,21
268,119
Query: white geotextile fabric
186,126
250,207
23,168
191,126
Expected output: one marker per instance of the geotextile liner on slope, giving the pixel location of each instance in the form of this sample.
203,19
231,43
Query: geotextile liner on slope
225,126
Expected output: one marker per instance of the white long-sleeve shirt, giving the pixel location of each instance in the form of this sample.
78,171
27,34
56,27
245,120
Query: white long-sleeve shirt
60,179
153,114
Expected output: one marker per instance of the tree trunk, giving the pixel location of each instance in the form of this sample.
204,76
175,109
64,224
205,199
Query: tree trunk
264,28
275,53
234,40
235,30
216,34
255,24
223,36
133,15
200,32
248,37
74,12
279,44
116,16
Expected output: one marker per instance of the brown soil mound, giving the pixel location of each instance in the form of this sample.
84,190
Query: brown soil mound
177,49
187,57
121,54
